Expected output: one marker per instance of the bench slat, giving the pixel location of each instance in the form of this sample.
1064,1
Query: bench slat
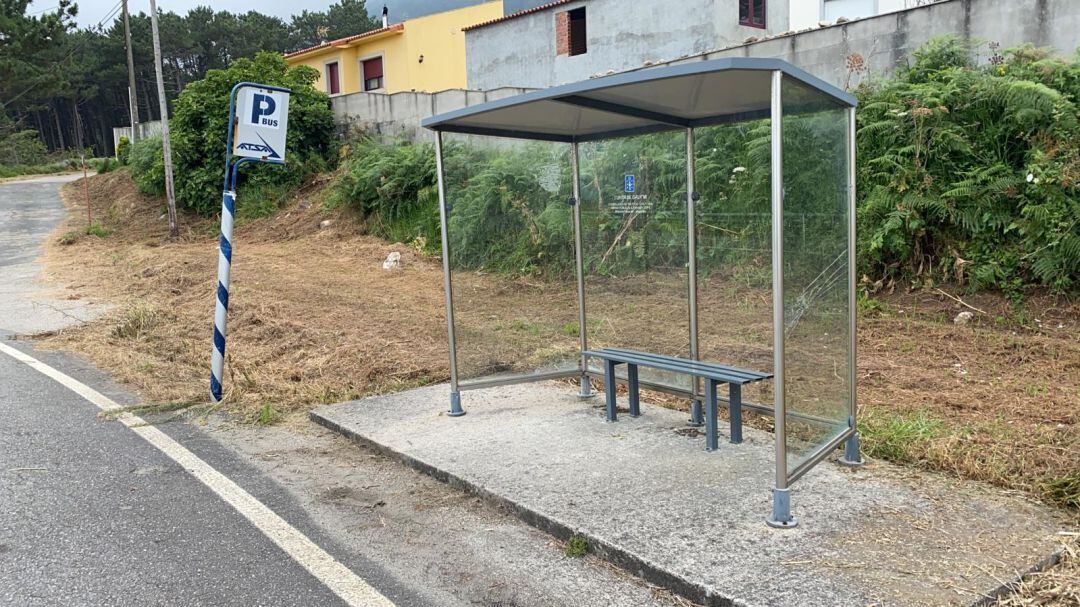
756,375
670,363
674,363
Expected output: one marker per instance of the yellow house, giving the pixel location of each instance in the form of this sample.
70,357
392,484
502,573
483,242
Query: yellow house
422,54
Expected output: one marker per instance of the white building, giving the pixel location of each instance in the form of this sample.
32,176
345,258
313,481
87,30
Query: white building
808,13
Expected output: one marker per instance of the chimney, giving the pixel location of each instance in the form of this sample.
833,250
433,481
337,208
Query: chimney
385,16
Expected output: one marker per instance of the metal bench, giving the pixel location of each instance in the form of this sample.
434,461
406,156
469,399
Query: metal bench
711,373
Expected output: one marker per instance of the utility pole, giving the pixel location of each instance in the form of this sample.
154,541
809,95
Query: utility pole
131,79
166,149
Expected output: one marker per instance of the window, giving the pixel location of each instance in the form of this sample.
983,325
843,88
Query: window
333,78
372,71
577,32
570,32
752,13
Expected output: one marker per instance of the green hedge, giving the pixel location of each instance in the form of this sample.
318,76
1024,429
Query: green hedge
148,166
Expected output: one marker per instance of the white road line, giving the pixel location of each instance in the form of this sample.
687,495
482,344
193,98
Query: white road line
337,577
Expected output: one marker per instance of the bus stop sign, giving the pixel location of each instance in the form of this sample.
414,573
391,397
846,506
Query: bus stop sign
262,120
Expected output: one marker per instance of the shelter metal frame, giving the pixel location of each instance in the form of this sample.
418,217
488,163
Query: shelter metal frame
631,104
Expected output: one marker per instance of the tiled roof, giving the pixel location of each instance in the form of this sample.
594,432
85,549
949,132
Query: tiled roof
348,39
528,11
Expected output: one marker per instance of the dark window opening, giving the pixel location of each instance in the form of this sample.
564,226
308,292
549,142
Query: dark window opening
333,80
752,13
577,32
373,74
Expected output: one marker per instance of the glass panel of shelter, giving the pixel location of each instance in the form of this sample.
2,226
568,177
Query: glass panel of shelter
510,234
734,250
817,311
634,233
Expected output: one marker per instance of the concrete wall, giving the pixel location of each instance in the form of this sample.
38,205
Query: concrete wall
399,115
146,129
620,35
886,41
883,42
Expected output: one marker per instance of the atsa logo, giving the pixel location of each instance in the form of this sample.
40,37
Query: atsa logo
259,148
263,108
629,183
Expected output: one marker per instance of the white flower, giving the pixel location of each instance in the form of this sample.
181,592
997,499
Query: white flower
738,169
1030,177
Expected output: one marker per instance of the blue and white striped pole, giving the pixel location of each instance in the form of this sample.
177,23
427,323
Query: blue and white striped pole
228,213
221,310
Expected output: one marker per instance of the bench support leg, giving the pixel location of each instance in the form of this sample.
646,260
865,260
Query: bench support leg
781,510
711,442
632,386
455,405
696,416
609,390
852,454
735,412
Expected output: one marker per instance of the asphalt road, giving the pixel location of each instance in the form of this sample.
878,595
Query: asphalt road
91,513
29,211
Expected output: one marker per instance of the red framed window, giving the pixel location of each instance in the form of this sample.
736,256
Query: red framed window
752,13
372,70
333,78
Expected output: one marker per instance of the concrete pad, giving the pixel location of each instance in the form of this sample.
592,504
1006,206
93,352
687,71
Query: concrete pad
647,497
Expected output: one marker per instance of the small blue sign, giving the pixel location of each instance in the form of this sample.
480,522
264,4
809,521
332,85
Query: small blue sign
628,183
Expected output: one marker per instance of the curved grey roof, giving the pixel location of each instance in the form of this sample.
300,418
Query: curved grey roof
655,99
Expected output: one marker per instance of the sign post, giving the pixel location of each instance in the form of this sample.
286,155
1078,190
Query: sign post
258,123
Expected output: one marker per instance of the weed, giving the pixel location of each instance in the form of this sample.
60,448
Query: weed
69,238
870,305
896,436
523,325
95,229
267,415
1063,490
576,546
137,322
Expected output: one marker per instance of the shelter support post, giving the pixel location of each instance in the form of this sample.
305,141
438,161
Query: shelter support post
579,262
852,455
691,270
444,217
781,511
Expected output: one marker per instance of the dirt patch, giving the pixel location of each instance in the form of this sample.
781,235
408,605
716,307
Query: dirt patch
315,319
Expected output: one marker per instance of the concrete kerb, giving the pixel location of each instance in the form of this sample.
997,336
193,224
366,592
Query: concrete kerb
646,570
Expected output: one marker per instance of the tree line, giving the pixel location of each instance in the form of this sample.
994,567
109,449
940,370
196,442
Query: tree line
70,86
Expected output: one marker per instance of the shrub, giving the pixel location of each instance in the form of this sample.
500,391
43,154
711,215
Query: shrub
394,188
200,124
22,148
101,165
123,151
972,174
148,166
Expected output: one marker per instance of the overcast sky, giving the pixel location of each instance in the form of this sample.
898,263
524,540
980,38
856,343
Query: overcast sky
93,11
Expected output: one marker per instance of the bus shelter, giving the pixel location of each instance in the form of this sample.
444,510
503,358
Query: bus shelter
704,211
